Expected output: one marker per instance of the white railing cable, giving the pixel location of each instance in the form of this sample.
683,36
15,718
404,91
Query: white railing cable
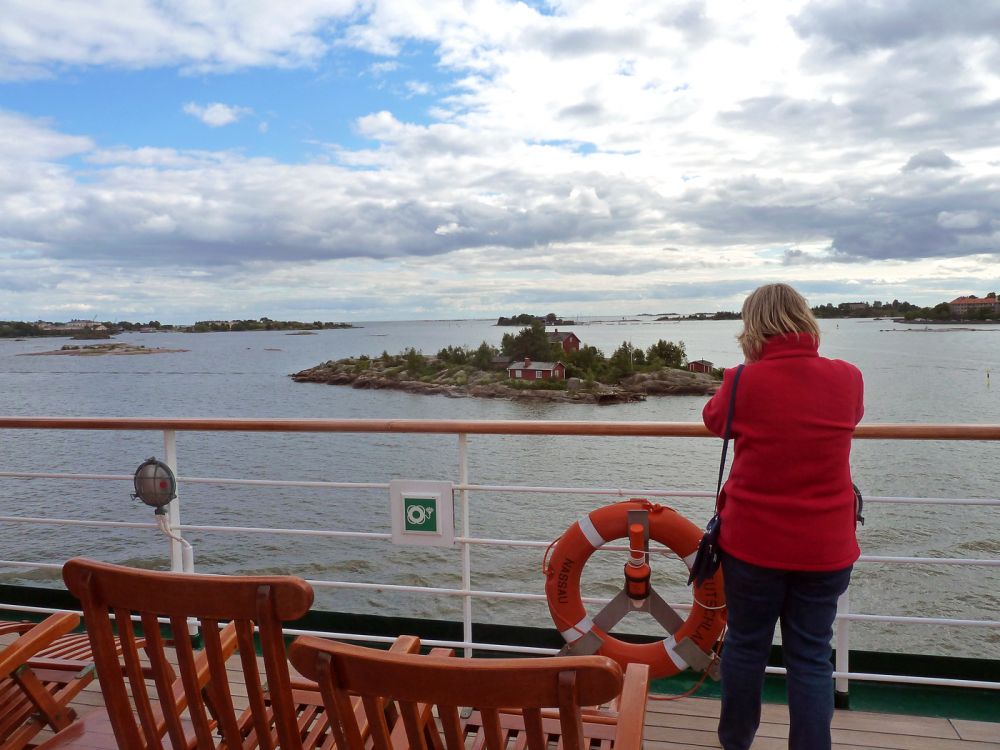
76,522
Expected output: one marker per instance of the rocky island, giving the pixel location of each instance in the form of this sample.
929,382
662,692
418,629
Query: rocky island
93,350
461,381
532,366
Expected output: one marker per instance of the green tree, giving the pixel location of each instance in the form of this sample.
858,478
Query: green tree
587,362
622,361
456,355
483,356
415,360
530,342
667,353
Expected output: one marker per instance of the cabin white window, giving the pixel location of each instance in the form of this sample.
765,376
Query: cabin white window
517,373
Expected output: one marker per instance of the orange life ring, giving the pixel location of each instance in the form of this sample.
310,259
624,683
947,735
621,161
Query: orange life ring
704,623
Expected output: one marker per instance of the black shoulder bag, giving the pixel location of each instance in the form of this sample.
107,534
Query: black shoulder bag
706,562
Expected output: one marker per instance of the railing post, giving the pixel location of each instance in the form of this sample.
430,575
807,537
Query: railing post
841,697
463,478
181,557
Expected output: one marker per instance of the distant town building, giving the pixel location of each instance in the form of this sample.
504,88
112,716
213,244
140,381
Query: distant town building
531,370
854,306
567,340
72,326
701,365
963,307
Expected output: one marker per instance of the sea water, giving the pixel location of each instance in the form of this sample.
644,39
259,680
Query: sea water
913,374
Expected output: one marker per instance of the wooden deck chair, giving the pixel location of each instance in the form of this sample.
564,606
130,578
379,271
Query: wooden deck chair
40,673
189,703
528,702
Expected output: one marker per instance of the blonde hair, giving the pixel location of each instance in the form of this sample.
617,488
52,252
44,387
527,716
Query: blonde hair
773,310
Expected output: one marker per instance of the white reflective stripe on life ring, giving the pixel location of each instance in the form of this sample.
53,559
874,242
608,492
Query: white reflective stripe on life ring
579,630
670,645
689,560
591,533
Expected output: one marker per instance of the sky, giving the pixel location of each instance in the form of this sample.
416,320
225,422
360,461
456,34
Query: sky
345,160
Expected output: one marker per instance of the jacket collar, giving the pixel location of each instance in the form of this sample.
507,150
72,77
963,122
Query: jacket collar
790,345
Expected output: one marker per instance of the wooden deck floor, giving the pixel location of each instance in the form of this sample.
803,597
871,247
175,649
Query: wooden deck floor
689,724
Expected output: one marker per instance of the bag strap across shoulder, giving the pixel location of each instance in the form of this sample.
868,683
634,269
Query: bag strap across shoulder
726,435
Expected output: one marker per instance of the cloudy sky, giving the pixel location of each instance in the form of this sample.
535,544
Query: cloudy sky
396,159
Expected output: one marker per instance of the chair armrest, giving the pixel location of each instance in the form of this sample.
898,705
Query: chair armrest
33,641
632,707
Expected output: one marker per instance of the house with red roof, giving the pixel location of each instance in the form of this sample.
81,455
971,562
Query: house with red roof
529,369
568,340
701,365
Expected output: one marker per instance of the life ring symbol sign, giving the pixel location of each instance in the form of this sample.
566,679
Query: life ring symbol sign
691,640
422,512
419,514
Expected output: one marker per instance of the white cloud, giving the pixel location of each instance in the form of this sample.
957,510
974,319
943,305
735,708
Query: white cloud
31,139
959,219
418,88
217,114
40,36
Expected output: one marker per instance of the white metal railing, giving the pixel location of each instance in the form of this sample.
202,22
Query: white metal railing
180,560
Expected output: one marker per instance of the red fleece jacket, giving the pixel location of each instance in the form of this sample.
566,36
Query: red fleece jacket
788,502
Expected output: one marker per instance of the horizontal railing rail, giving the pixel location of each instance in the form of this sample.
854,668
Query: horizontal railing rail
463,488
473,427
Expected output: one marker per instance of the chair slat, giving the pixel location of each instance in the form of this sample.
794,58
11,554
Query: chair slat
570,718
451,727
343,723
272,648
219,697
197,712
533,734
373,715
254,686
492,733
150,720
414,726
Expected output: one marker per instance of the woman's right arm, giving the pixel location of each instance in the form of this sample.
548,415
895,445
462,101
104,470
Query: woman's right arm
715,411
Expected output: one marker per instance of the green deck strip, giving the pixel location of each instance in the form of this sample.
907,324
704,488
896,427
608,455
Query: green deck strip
919,700
877,697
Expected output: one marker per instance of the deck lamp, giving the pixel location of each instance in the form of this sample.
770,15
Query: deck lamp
155,484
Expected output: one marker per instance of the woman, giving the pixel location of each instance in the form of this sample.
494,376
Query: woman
788,515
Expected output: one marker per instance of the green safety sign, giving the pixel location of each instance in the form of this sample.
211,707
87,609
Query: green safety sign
420,515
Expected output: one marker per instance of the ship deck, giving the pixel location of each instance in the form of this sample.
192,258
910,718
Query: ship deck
689,724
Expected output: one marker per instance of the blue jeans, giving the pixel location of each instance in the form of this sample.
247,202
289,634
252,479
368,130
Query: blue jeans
806,604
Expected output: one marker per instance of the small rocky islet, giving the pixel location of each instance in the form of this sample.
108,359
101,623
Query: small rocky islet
96,350
460,381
